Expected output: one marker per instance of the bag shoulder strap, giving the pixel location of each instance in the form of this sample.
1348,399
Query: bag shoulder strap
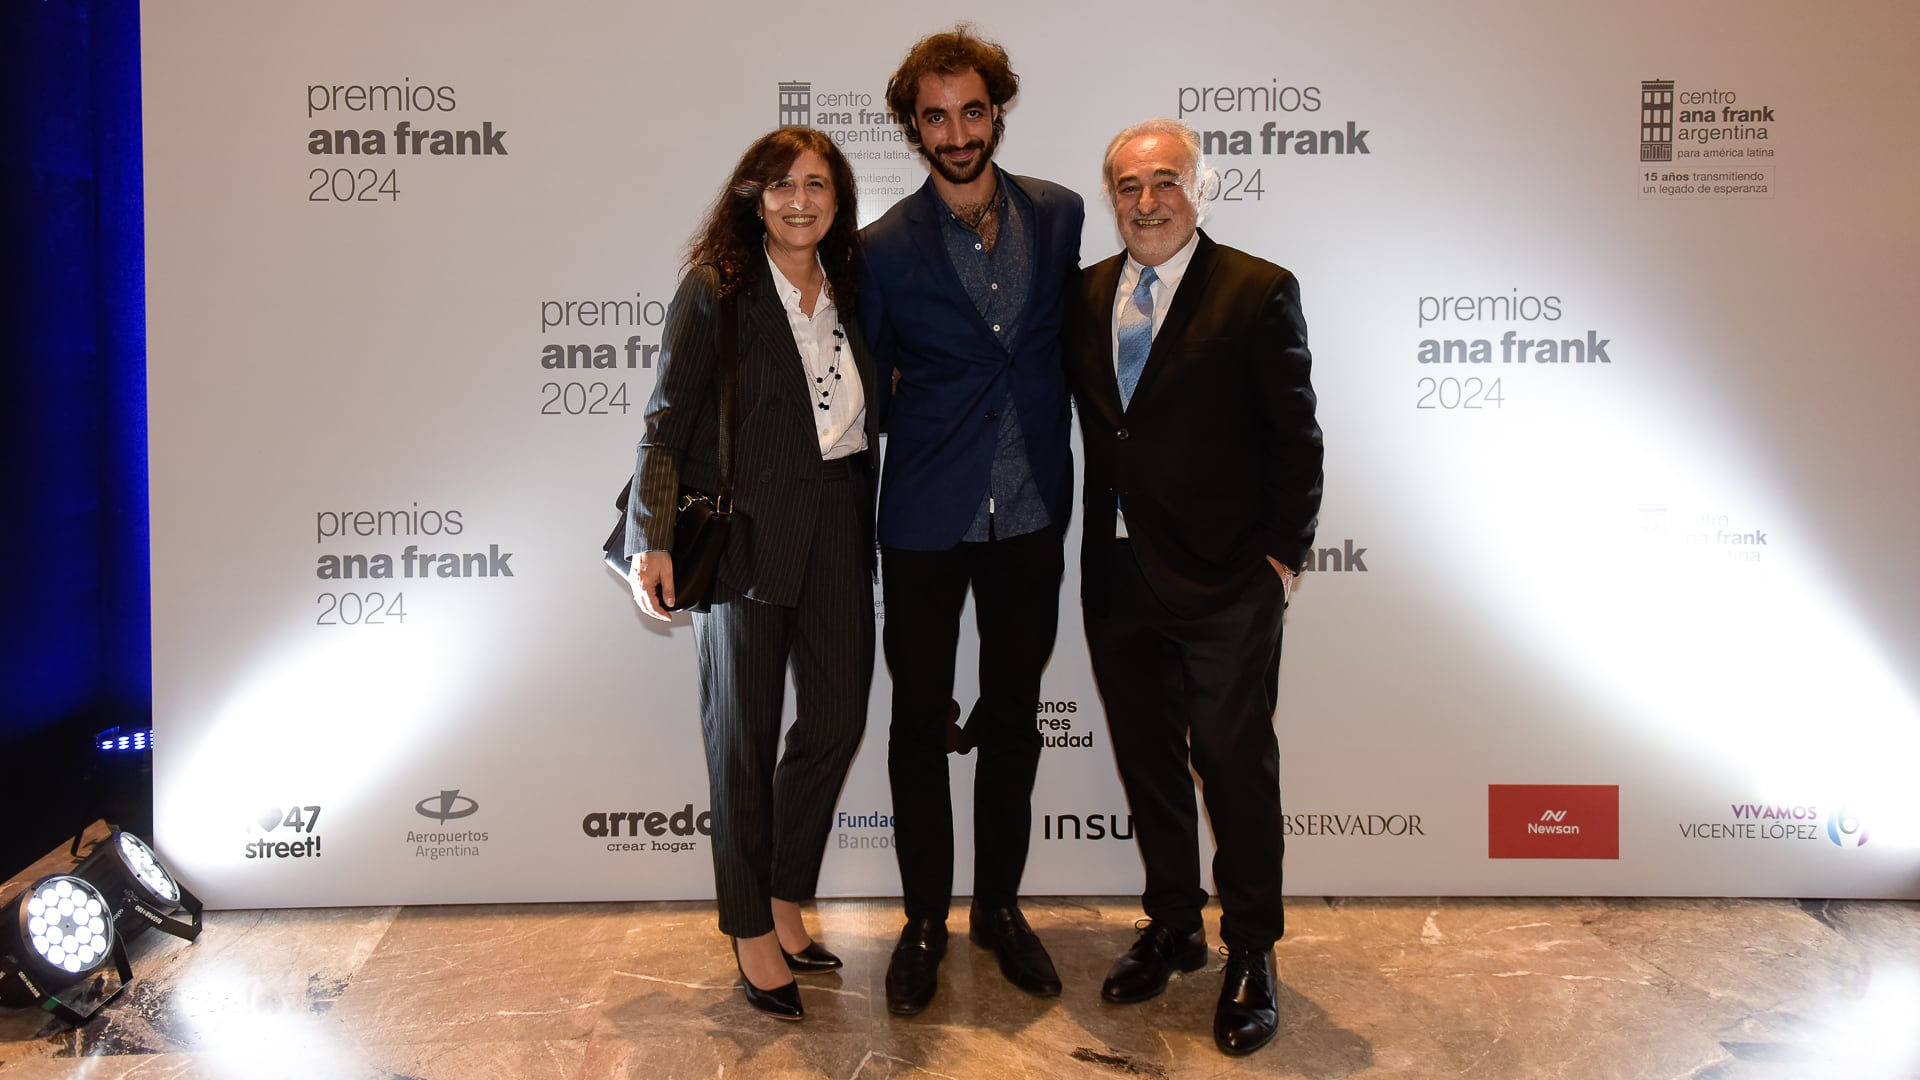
729,364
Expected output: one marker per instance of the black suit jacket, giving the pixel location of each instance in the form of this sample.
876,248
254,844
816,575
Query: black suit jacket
776,452
1217,459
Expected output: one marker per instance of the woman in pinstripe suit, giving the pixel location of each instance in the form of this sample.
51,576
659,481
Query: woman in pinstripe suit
795,588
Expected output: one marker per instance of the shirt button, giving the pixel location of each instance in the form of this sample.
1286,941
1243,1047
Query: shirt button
976,247
996,328
1121,434
995,286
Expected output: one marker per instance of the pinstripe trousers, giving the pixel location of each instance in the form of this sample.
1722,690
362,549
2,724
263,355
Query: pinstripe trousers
771,819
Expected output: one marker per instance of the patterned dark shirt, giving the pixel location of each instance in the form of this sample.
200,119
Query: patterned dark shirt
998,283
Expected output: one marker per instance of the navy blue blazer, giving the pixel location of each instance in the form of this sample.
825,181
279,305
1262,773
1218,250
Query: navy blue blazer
942,419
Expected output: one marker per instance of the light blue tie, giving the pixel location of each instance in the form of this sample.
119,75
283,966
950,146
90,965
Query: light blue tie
1136,334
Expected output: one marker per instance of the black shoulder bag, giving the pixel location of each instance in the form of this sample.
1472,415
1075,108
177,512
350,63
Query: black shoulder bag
702,520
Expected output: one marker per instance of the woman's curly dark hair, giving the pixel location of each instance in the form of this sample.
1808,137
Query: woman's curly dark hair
733,236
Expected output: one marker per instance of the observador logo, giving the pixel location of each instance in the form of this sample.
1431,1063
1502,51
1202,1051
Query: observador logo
1553,821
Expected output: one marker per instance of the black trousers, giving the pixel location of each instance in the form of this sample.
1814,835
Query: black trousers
771,821
1016,597
1200,690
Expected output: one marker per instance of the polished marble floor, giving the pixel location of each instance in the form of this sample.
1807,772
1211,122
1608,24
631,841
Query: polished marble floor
1668,989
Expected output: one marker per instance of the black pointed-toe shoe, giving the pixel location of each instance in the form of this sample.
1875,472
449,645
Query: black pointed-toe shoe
811,960
1023,960
781,1002
913,973
1143,970
1248,1014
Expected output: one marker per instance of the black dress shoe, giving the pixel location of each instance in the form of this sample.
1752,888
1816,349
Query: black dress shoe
913,973
1247,1016
1023,960
811,960
1142,971
782,1002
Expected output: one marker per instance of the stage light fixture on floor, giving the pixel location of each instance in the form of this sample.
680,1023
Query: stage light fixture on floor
124,740
138,889
54,937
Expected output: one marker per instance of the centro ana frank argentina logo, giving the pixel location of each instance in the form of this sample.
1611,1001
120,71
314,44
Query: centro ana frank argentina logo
447,806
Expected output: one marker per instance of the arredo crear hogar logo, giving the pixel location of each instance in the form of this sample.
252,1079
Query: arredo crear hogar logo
303,823
669,831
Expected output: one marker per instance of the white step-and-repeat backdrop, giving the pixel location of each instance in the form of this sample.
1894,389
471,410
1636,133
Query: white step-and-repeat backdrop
1615,590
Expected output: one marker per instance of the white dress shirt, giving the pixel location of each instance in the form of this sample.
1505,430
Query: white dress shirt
832,377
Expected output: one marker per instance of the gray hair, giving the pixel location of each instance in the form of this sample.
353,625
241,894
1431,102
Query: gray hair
1198,177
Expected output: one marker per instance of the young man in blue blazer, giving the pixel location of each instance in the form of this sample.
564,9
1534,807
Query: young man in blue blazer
963,298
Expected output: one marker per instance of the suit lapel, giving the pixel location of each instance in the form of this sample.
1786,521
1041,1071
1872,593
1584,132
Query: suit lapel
1169,341
1042,240
869,388
1098,375
765,333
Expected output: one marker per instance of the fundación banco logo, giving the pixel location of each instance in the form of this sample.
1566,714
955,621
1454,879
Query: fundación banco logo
863,830
1553,821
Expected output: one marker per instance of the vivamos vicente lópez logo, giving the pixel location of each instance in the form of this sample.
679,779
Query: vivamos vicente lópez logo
1846,829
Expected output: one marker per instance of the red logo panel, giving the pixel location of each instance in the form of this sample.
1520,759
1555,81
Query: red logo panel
1553,821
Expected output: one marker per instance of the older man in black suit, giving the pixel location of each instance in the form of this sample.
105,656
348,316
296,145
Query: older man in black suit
1202,489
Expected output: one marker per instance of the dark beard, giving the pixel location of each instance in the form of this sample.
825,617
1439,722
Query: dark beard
955,175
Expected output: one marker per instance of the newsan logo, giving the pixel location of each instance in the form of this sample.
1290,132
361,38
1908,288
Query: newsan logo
1553,823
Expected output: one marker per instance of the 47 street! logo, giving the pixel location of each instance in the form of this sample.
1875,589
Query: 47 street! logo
303,823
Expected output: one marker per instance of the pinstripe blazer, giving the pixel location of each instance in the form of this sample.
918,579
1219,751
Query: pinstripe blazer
776,451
